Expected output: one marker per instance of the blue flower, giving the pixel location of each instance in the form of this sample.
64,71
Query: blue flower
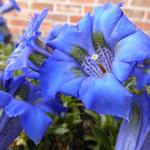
14,5
92,60
4,8
134,134
29,54
21,99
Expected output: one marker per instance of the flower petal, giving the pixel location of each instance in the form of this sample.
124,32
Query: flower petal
122,70
72,87
135,47
33,119
15,5
52,106
35,123
135,132
99,94
55,73
119,32
106,21
17,60
10,129
54,33
16,108
75,36
5,99
98,11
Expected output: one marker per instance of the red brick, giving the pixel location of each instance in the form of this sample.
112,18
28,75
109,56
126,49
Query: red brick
148,16
88,9
82,1
145,3
143,25
15,30
57,17
23,5
134,13
41,6
114,1
75,19
68,8
18,22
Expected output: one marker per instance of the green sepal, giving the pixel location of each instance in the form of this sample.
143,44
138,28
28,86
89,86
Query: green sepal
98,40
78,54
22,92
76,71
37,59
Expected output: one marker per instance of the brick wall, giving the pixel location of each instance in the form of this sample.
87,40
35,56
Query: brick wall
70,11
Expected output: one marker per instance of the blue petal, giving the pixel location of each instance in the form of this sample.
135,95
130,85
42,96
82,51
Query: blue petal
5,99
33,27
106,20
135,47
31,33
72,36
135,132
16,108
85,27
13,84
54,32
29,73
33,120
35,123
61,56
53,74
98,11
72,87
10,129
122,70
52,106
119,32
17,60
15,5
99,94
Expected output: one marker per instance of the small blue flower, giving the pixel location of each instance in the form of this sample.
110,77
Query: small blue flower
4,8
134,134
14,5
29,54
21,99
92,60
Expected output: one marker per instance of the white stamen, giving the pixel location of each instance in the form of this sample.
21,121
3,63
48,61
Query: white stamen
94,57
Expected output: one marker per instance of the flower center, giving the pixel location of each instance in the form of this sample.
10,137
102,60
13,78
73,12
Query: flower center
99,63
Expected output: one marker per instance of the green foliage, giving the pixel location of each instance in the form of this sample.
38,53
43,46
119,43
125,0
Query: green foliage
77,129
5,50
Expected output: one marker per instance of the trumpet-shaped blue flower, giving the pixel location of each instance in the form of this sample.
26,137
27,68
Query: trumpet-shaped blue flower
134,134
92,59
21,101
31,52
4,8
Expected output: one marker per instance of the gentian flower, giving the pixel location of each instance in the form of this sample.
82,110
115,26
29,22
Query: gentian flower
134,134
22,105
92,60
31,52
4,8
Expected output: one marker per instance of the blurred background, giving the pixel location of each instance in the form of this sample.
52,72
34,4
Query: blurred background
71,11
